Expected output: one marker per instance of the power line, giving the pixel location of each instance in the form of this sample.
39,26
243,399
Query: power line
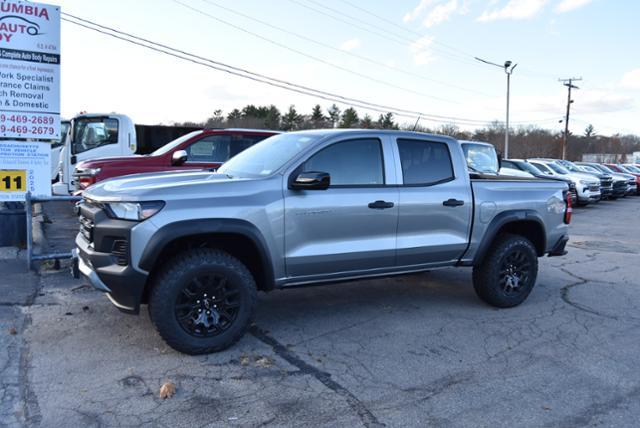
400,40
325,45
260,78
306,55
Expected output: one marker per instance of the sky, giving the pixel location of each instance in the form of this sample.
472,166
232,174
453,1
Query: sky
415,55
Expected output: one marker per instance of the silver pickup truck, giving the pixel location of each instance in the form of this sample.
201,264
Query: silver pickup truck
306,208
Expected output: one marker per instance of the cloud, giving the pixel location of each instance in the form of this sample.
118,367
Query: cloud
417,11
569,5
349,45
421,50
441,13
514,9
631,80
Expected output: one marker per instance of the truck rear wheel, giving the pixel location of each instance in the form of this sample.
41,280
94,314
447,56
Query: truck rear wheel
508,272
202,301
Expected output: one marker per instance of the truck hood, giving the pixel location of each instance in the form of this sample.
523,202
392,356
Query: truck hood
114,161
160,186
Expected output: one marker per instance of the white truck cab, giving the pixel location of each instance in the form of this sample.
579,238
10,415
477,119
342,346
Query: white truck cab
93,136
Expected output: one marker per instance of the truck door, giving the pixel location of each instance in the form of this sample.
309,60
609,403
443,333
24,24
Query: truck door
351,226
435,203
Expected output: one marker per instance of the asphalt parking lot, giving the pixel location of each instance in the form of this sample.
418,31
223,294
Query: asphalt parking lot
419,350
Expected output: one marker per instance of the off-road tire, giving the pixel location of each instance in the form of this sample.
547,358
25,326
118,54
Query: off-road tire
176,275
487,275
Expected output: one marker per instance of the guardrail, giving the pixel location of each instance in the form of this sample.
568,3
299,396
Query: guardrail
28,206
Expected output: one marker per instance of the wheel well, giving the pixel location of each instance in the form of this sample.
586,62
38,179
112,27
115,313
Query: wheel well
530,229
238,245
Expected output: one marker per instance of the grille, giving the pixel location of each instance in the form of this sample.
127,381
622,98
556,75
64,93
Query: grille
594,188
86,228
120,251
606,183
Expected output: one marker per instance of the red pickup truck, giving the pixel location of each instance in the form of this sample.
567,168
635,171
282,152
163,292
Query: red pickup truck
207,148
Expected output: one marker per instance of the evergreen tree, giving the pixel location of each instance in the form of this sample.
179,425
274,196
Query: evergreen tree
334,114
272,117
235,114
318,119
386,121
291,119
367,122
349,118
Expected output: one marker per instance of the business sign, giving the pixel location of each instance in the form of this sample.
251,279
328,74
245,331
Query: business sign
29,70
24,167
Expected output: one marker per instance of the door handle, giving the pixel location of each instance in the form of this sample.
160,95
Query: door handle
453,203
380,205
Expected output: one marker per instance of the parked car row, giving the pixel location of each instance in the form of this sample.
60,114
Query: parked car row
588,182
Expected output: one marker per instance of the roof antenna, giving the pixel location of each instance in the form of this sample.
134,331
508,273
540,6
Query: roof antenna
416,125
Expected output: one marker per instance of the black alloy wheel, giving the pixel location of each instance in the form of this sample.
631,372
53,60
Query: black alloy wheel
207,305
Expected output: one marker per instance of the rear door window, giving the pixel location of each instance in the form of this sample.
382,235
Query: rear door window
425,163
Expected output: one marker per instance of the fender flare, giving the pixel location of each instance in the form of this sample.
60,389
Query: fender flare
502,220
180,229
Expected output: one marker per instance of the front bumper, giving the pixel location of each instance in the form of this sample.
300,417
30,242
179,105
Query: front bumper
103,256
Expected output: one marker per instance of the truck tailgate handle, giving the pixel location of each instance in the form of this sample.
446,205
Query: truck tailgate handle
453,203
380,205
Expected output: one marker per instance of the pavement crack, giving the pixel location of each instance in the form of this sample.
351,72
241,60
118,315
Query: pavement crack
567,299
367,418
28,397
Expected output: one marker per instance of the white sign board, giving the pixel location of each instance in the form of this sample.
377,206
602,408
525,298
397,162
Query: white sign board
29,70
24,167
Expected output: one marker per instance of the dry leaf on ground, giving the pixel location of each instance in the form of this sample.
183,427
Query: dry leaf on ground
167,390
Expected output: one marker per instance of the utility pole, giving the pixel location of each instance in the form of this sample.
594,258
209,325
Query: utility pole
508,69
569,84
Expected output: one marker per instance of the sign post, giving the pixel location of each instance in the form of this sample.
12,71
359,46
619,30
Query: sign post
29,96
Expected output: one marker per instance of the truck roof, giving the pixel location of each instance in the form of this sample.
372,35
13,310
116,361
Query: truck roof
360,131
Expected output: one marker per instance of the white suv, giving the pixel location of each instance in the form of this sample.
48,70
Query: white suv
587,186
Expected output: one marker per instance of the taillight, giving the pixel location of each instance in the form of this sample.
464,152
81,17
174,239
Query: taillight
569,209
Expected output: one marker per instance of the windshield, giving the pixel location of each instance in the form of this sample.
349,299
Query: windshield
632,168
268,155
529,168
175,143
571,167
480,157
543,168
557,168
90,133
64,129
589,168
607,168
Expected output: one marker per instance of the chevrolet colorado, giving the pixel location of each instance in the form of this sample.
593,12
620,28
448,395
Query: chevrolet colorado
310,207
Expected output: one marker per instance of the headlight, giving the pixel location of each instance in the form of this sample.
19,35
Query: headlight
136,211
584,182
92,171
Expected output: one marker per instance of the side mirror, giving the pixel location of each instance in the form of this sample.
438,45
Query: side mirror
179,157
311,181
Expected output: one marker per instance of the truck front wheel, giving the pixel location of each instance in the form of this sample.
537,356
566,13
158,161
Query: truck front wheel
202,301
508,272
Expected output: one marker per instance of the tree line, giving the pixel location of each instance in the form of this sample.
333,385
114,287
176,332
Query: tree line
524,141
